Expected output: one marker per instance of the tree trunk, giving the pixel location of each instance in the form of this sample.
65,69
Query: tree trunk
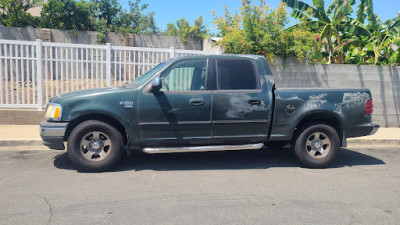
330,50
339,42
376,58
376,52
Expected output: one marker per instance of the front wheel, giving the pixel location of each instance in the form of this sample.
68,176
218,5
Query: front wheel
95,146
317,145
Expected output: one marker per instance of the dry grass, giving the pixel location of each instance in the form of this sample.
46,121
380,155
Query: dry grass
28,89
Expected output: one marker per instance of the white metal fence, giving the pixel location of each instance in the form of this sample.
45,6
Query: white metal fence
32,72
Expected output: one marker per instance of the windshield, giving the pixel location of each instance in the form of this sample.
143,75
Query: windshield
140,80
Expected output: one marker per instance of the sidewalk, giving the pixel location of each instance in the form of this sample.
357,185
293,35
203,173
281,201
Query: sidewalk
20,137
27,137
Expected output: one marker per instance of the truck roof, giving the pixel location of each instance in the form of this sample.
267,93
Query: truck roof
221,56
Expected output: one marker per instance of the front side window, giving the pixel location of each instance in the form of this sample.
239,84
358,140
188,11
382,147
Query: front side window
142,79
234,74
185,75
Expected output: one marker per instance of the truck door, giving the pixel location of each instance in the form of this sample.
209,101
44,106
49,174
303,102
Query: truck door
240,105
181,111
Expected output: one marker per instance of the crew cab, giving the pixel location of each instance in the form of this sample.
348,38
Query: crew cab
205,103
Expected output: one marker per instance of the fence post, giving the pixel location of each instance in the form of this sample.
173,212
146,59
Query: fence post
172,52
39,73
108,65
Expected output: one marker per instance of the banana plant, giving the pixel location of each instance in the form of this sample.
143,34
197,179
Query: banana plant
379,47
334,23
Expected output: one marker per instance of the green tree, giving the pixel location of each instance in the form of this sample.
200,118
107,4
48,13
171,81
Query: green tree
199,30
227,21
334,24
111,18
306,44
13,13
185,31
68,15
107,10
259,29
264,29
102,30
378,46
171,29
230,29
136,20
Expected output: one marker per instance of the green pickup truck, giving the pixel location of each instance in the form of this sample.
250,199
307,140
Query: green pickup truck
205,103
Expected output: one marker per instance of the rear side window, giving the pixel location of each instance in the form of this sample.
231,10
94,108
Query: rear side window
233,74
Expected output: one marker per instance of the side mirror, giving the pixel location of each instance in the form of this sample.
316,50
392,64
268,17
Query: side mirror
156,84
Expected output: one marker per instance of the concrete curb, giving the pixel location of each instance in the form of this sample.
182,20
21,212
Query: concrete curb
9,145
373,142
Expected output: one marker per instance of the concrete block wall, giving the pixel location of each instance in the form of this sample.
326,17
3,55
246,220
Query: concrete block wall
19,33
21,116
383,81
163,41
90,38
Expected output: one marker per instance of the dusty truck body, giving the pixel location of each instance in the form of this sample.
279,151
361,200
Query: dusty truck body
205,103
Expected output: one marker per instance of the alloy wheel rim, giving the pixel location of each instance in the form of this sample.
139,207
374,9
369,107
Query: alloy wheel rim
95,146
318,145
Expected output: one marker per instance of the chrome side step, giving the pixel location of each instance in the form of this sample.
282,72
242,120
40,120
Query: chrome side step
203,148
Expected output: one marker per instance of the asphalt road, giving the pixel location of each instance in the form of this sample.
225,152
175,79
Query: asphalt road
244,187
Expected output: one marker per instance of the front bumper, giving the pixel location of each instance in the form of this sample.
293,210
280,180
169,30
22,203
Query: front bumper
52,134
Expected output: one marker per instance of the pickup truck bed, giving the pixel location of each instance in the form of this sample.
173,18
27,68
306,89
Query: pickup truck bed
345,109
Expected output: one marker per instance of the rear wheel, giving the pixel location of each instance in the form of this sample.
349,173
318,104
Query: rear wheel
95,146
317,145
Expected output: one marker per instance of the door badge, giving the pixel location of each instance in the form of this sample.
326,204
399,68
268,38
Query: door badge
126,104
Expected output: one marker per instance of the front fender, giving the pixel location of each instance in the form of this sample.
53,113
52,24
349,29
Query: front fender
119,104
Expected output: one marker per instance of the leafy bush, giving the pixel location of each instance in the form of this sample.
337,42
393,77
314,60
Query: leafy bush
185,31
13,13
259,29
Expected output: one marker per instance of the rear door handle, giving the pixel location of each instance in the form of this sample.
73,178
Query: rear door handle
254,101
196,101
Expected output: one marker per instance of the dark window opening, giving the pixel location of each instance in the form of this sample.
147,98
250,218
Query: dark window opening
236,75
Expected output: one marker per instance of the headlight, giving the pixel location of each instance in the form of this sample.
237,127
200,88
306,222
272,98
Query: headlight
53,112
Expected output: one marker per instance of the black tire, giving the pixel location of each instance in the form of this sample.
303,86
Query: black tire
316,145
95,146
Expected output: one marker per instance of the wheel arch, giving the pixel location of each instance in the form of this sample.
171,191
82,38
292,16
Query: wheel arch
320,117
99,117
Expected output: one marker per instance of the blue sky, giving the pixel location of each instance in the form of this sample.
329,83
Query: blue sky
172,10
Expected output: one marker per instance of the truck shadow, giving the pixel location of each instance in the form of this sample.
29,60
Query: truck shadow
230,160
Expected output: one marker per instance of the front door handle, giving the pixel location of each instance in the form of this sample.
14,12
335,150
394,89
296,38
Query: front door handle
254,101
196,101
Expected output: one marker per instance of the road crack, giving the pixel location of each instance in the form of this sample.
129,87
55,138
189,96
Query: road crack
50,211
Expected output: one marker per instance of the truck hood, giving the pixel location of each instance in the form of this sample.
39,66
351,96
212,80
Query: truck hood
88,92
